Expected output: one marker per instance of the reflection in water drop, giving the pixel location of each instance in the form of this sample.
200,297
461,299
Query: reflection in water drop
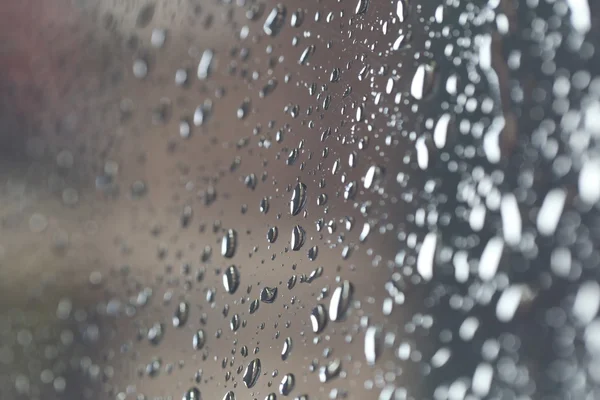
318,318
272,234
231,279
229,243
298,198
297,240
229,396
287,348
268,295
340,301
252,373
287,384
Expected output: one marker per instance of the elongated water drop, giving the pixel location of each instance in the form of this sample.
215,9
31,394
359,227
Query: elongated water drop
422,81
229,243
287,384
298,198
252,373
199,339
231,279
340,301
361,7
372,344
275,20
318,318
287,348
229,396
298,236
401,10
272,234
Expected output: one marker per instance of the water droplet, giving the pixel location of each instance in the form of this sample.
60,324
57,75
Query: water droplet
340,301
313,252
440,133
264,205
145,15
401,10
198,340
235,323
287,348
254,306
231,279
372,344
181,314
423,80
361,7
287,384
298,198
308,51
192,394
158,37
275,20
205,64
229,396
268,295
272,234
426,256
330,371
140,68
155,333
298,237
318,318
373,175
229,243
252,373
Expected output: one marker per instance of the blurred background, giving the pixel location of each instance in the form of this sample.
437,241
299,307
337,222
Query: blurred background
219,199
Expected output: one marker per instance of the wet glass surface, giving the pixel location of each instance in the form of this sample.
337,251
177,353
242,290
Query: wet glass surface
304,200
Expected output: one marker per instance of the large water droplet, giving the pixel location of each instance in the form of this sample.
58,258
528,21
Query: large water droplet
252,373
268,295
287,384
